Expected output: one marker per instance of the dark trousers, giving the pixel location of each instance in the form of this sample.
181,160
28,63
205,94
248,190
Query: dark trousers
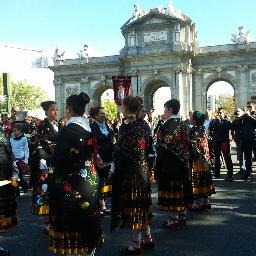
223,147
240,155
248,146
211,152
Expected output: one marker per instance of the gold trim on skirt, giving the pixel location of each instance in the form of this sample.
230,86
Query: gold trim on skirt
7,223
64,239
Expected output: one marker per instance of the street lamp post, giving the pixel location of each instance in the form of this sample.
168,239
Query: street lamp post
7,91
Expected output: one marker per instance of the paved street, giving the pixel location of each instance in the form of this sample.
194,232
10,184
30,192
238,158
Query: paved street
227,229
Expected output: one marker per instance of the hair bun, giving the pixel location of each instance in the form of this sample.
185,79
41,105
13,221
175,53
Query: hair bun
46,104
85,98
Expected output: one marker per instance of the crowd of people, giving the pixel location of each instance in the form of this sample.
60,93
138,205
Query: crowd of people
75,164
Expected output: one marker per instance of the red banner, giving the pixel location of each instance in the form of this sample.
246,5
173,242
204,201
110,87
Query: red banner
121,87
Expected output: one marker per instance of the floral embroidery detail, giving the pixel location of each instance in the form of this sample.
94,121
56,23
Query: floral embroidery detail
77,195
172,136
90,142
87,163
142,144
43,177
176,138
83,173
67,187
74,151
93,169
85,205
44,187
199,143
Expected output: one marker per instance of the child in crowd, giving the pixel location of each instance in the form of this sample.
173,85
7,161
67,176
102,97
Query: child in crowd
20,151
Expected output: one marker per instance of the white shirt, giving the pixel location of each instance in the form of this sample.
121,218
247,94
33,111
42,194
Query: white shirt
20,148
103,128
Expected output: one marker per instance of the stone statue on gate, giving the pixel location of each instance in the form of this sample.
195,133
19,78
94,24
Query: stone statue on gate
137,13
83,54
58,56
242,37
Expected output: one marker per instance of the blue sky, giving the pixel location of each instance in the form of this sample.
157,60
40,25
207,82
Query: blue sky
41,24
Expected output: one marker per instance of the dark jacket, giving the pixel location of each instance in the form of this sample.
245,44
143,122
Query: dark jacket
237,130
219,130
248,127
6,159
105,144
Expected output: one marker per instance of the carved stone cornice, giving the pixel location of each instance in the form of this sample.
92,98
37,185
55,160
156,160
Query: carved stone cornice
242,68
187,55
134,72
197,71
156,71
84,79
181,69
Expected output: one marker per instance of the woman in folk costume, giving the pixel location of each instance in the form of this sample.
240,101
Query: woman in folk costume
131,195
200,163
46,136
104,138
75,226
172,166
8,217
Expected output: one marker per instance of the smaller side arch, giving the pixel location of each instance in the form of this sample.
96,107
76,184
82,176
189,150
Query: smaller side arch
97,91
232,80
151,85
223,77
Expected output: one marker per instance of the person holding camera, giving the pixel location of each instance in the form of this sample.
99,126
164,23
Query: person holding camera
220,129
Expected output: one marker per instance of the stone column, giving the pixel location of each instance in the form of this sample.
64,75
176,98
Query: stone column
184,89
85,87
58,85
135,83
243,91
197,91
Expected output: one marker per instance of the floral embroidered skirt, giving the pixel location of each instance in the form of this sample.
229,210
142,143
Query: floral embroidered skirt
202,179
75,226
73,231
105,182
8,205
131,203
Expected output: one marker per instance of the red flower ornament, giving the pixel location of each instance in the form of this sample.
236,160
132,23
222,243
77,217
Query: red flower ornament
142,144
176,138
67,187
90,142
93,169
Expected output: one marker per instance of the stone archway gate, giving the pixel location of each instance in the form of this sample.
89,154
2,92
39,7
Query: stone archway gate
161,47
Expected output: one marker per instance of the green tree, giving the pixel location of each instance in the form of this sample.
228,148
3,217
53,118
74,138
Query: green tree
228,103
110,109
24,95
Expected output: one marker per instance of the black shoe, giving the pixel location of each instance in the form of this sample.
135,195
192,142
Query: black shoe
126,251
229,179
240,173
245,176
4,252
